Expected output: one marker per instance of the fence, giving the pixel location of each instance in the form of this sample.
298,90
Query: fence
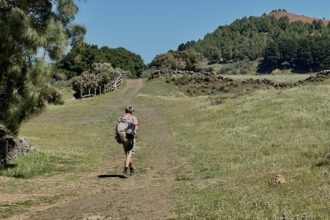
3,152
324,72
103,89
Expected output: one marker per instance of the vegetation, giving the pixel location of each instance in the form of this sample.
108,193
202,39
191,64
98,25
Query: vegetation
241,67
25,27
232,151
220,161
36,164
227,154
95,80
220,88
177,60
282,44
70,141
305,53
82,56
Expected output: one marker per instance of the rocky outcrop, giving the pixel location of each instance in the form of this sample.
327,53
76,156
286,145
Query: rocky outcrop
11,148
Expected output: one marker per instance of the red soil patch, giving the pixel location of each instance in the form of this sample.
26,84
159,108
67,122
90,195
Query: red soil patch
293,17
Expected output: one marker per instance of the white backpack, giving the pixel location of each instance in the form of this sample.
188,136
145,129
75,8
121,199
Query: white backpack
121,131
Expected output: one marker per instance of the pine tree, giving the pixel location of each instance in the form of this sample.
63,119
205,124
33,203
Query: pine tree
271,58
304,55
28,26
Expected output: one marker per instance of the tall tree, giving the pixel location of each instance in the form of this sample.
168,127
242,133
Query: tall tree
79,59
304,55
26,27
271,58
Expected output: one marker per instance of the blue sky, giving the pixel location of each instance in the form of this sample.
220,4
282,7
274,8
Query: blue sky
151,27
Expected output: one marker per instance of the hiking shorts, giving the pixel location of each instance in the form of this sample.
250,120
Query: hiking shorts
129,147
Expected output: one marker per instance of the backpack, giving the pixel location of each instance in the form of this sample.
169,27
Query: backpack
124,132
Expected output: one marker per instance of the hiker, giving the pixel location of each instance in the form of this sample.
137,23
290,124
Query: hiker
126,131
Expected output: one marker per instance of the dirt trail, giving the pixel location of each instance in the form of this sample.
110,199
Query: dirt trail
148,195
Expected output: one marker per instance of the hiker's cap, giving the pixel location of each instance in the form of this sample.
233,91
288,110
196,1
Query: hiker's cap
129,108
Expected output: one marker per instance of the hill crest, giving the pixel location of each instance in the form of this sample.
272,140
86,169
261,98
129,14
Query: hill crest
294,17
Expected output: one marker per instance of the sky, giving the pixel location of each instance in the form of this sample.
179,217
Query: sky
152,27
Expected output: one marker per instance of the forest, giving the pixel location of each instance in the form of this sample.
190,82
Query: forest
277,43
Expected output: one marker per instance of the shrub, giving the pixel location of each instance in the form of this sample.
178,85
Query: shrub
55,97
181,60
96,79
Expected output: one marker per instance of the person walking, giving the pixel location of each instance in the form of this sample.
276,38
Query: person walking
126,135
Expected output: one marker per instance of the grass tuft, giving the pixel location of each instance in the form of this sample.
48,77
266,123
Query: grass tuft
35,164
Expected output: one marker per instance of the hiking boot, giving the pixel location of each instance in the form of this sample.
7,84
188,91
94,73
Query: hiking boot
125,172
131,171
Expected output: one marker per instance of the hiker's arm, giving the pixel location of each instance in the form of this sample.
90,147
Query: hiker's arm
136,128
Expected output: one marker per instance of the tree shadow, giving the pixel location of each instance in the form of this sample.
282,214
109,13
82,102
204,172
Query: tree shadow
7,166
110,176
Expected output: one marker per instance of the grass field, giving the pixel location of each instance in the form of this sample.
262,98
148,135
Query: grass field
282,78
233,150
223,157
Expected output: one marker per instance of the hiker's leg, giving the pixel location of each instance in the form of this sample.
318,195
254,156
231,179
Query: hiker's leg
125,172
131,152
126,152
128,159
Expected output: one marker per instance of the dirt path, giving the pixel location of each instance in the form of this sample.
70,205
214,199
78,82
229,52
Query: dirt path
148,195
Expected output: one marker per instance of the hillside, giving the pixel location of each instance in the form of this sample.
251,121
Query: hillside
283,43
294,17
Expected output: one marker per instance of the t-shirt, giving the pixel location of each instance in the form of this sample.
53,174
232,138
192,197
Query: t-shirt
129,118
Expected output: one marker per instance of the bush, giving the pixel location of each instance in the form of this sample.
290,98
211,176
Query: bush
97,78
181,60
55,97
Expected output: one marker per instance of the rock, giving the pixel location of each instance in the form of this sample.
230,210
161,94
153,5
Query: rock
277,180
17,147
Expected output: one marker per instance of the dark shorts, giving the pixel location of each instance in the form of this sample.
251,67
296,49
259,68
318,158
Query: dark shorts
129,147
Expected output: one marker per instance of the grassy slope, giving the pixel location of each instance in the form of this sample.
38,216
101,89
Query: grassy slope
76,133
69,141
228,152
233,150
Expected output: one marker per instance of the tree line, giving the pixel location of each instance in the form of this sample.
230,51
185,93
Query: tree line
279,42
82,57
309,53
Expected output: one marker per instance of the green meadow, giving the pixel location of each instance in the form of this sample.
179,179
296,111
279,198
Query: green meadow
226,155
